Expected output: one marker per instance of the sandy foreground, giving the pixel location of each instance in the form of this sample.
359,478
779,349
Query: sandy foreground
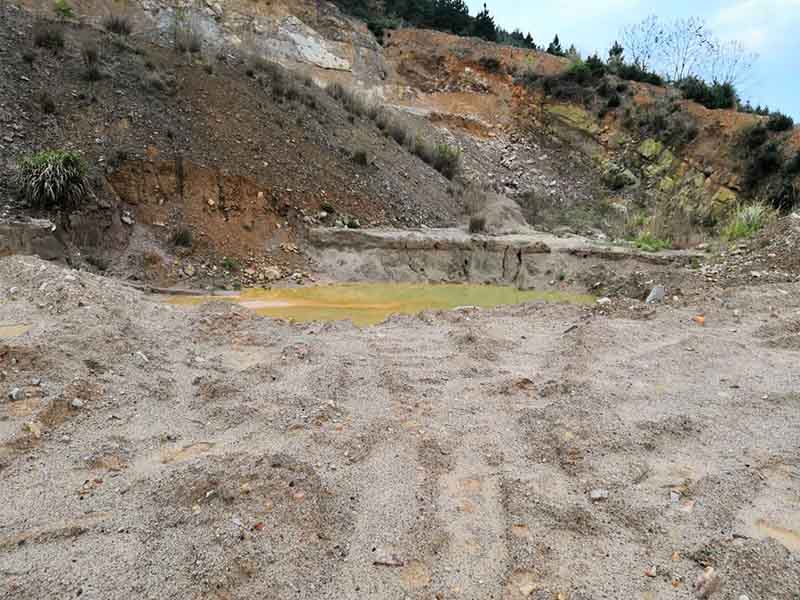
154,451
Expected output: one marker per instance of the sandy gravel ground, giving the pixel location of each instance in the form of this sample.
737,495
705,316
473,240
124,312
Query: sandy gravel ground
161,452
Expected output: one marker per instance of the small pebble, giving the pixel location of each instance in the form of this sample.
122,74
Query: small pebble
16,394
77,404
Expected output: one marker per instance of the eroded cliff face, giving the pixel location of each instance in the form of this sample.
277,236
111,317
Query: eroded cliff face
300,33
516,140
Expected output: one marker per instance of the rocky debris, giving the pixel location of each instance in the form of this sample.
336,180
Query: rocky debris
16,394
386,558
618,177
598,495
707,583
773,256
657,295
76,404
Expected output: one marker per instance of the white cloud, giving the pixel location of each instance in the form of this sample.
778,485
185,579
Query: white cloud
761,25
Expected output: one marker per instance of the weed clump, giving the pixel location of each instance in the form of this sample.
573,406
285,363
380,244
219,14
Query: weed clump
48,36
90,54
649,243
182,237
118,24
477,224
53,179
746,221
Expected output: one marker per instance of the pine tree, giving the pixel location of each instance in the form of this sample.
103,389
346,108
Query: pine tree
616,54
555,47
529,42
484,26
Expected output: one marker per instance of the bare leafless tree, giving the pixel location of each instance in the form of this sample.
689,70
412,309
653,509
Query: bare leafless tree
729,62
686,44
643,42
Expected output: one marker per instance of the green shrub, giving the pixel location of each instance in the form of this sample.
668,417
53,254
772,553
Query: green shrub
636,73
780,122
447,160
753,137
649,243
579,72
596,65
528,79
118,24
783,194
379,26
230,264
182,237
614,101
63,10
763,162
716,95
675,128
792,167
48,36
746,221
52,179
491,64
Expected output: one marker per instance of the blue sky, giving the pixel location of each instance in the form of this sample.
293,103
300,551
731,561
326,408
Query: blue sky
771,28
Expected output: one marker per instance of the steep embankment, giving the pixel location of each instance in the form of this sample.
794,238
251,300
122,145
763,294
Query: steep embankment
240,152
221,142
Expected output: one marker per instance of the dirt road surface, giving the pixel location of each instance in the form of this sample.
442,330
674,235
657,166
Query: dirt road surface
160,451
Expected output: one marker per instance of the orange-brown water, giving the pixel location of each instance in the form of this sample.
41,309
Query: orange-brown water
372,303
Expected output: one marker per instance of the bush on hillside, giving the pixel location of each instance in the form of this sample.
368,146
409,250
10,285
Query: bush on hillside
491,64
182,237
52,180
792,167
762,163
746,221
48,36
447,160
118,24
63,10
596,65
90,54
753,137
667,123
780,122
636,73
783,194
713,96
580,73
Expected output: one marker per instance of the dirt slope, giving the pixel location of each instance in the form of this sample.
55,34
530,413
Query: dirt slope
202,141
215,454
